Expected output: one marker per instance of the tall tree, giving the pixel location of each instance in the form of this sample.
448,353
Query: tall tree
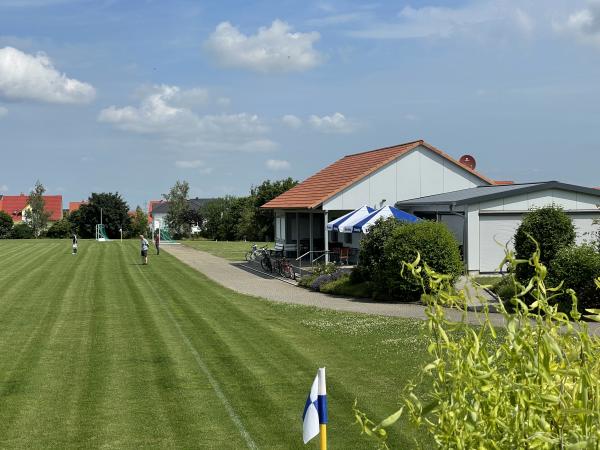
265,218
6,224
36,215
113,210
178,208
139,222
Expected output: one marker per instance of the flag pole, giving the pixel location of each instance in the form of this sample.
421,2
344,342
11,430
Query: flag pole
322,409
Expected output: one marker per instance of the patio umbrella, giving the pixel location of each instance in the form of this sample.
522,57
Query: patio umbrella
350,218
367,222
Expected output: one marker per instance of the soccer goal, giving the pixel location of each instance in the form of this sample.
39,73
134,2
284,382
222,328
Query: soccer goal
101,235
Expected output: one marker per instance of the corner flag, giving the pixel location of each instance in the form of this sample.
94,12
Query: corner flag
315,411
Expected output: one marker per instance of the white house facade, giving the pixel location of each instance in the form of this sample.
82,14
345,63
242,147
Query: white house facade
374,178
485,219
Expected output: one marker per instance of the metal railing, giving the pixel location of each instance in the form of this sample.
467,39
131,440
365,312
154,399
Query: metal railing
313,260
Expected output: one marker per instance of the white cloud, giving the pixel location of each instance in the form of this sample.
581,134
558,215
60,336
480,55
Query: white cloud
277,164
292,121
3,111
194,164
337,19
583,24
223,102
33,77
476,17
336,123
272,49
163,113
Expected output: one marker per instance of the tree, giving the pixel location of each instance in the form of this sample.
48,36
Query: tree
6,224
178,207
139,222
36,215
264,219
551,228
114,215
59,229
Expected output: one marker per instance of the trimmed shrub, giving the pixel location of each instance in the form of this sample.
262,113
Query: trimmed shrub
371,256
324,269
59,230
6,224
437,247
21,231
345,286
320,280
552,228
577,266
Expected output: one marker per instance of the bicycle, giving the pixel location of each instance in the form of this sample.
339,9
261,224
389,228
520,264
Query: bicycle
254,253
265,262
284,268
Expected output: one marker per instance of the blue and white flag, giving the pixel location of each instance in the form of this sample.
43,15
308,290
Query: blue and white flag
315,410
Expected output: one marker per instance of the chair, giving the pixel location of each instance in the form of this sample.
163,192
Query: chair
344,255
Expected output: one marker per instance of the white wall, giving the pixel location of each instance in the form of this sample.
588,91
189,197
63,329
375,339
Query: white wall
501,224
418,173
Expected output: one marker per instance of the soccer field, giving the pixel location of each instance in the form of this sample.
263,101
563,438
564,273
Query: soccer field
99,351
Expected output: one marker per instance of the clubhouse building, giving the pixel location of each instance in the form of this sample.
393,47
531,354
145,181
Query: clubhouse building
425,181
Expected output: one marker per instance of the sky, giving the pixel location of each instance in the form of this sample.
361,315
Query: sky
132,95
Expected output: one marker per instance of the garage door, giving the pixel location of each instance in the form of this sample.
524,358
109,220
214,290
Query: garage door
495,231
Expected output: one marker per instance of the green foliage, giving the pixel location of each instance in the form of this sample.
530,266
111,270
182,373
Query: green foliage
577,267
21,231
36,215
139,222
264,218
344,286
437,247
60,229
178,209
6,224
324,269
549,226
506,288
535,384
371,256
239,218
114,216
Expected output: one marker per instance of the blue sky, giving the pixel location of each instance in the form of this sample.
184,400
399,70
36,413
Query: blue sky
132,95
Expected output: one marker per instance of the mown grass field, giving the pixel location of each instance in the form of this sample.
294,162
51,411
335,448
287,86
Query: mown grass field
231,250
99,351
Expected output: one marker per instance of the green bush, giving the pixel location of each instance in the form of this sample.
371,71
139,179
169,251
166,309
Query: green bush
371,256
533,384
438,249
577,266
59,230
344,286
6,224
21,231
552,228
505,288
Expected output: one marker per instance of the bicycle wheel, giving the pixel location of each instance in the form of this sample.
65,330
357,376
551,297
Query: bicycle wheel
291,273
265,263
279,267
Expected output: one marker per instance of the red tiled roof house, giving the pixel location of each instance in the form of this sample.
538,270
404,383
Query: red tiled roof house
14,205
375,178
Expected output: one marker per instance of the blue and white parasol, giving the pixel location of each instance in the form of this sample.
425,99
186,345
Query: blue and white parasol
363,225
349,219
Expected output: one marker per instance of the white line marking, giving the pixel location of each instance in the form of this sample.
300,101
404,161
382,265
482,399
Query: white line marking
213,382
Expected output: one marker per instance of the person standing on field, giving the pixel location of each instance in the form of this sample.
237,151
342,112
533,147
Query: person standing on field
75,241
157,242
145,245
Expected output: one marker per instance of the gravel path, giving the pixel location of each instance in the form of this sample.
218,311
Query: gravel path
237,277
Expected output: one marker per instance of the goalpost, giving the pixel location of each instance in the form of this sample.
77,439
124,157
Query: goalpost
101,235
163,234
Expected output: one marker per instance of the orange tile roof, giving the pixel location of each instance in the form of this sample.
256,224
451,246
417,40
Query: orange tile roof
346,171
74,206
14,205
